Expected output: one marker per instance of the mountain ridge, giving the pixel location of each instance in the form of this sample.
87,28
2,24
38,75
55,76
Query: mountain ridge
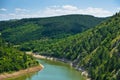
53,27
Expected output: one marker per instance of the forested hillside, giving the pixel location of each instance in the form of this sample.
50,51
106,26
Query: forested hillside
97,50
18,31
14,60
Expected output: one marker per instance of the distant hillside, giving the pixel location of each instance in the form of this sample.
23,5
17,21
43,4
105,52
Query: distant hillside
97,50
17,31
14,60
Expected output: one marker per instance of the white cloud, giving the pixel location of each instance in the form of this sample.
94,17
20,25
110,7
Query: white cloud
69,9
56,11
118,8
12,14
20,10
3,9
98,12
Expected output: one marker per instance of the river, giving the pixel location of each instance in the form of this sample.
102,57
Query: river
53,70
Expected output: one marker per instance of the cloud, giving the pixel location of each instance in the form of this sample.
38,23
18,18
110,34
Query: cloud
12,14
20,10
98,12
55,11
69,9
118,8
17,14
3,9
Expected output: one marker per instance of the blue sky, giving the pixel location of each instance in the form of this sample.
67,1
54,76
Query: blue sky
17,9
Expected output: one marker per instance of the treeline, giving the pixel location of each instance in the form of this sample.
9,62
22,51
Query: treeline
97,49
13,60
18,31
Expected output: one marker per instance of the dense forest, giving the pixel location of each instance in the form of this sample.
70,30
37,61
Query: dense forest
17,31
97,50
13,60
88,42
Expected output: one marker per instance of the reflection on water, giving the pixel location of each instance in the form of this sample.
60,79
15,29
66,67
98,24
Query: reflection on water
53,70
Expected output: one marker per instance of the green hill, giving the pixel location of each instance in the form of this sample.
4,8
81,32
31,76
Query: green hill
14,60
96,50
17,31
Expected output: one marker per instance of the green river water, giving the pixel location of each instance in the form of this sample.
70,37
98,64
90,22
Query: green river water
53,70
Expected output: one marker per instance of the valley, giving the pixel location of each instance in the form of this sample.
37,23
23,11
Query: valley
89,43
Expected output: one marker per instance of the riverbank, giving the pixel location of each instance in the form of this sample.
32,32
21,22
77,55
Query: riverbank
83,72
50,58
21,72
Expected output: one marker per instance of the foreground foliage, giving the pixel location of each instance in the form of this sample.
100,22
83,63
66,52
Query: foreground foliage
12,59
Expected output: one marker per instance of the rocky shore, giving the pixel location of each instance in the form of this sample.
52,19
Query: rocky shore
83,72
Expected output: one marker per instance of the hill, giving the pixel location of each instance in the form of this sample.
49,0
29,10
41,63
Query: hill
96,50
18,31
13,60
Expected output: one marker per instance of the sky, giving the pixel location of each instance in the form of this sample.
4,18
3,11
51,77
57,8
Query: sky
17,9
